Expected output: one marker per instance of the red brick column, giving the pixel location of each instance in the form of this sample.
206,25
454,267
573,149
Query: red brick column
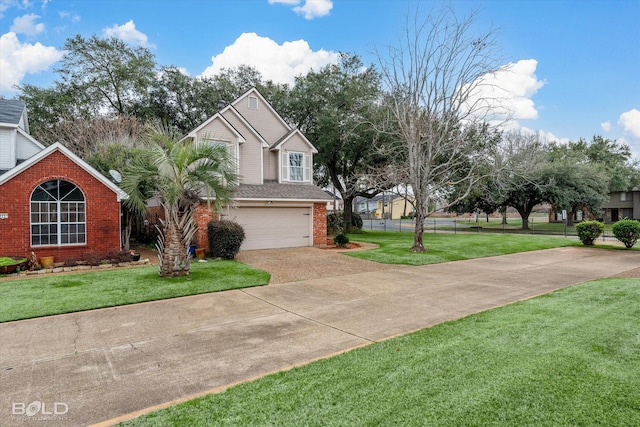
319,224
204,214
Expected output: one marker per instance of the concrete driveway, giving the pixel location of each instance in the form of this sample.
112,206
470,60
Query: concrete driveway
96,366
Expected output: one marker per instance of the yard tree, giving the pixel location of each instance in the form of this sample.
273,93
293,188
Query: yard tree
178,174
434,77
113,75
337,108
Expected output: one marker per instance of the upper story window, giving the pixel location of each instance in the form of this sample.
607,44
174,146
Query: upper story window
626,196
58,214
253,103
296,167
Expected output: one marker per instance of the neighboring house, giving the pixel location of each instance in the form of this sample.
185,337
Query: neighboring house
276,202
51,201
384,206
622,204
336,203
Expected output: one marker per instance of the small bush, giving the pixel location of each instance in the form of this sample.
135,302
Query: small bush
589,231
627,231
335,222
341,240
356,220
225,238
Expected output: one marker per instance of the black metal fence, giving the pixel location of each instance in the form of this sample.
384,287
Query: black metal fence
537,226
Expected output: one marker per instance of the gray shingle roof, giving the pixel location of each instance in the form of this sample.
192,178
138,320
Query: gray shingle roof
274,190
11,111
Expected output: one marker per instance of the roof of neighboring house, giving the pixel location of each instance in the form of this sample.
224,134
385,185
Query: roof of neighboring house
276,191
77,160
11,111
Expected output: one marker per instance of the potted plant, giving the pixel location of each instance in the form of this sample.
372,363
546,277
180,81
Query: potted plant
46,262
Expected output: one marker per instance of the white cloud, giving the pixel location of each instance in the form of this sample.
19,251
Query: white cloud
26,25
630,122
127,33
606,126
68,15
280,63
18,59
508,91
310,9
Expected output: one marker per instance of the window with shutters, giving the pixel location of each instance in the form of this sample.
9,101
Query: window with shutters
295,167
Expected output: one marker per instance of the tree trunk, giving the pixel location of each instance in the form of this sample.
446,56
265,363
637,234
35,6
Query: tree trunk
418,244
348,213
174,258
504,216
524,214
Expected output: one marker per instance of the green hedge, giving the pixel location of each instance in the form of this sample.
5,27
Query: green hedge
225,238
627,231
589,231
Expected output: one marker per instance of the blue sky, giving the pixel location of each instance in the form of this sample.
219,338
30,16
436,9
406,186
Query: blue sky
576,63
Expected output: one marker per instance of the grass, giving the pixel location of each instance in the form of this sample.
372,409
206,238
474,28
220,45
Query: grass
56,294
5,261
567,358
394,246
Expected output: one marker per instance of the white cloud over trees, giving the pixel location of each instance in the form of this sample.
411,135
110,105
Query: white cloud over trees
278,62
630,122
128,33
18,59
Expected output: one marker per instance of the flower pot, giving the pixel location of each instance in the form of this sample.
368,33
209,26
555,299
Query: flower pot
200,253
46,262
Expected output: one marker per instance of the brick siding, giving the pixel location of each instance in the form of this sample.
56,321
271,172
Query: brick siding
102,211
319,224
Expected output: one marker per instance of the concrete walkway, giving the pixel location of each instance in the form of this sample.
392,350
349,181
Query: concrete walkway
95,366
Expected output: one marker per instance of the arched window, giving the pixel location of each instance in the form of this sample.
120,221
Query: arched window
57,214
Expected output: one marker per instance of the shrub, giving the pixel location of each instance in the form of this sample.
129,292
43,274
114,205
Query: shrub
627,231
589,231
341,240
356,220
335,221
225,237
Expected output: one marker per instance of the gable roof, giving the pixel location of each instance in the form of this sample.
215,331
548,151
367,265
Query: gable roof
121,195
288,136
216,116
245,122
11,111
255,92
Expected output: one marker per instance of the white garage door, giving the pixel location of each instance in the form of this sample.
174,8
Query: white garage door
267,228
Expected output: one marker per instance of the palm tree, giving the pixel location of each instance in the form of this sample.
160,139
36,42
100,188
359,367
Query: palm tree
178,174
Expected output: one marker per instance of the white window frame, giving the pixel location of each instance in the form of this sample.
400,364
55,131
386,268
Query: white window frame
66,220
287,167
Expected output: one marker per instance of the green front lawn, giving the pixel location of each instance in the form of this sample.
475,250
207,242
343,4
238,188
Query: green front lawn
394,246
65,293
570,358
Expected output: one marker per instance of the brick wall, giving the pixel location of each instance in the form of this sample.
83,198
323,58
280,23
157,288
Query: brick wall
204,214
102,211
319,224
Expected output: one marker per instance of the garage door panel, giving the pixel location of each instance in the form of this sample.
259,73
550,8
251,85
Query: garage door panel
274,227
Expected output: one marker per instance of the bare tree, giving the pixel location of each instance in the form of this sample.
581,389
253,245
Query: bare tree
436,77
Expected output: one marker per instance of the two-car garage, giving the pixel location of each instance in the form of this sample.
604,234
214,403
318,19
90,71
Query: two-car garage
275,227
